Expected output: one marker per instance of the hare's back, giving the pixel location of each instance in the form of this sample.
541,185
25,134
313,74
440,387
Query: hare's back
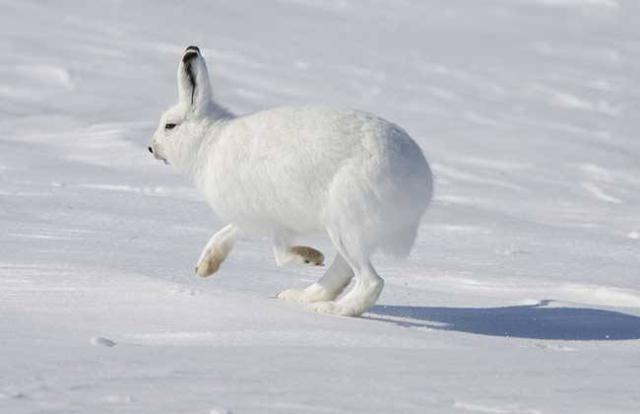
286,159
303,148
317,133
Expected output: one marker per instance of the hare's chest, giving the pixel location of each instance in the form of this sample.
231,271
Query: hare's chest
232,191
254,198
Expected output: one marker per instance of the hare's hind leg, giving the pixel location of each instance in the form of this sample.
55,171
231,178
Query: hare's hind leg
335,279
364,292
216,251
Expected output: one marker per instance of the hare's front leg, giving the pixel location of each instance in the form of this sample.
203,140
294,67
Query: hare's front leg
216,251
327,288
286,254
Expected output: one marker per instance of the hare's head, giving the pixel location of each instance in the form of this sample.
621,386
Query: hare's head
181,126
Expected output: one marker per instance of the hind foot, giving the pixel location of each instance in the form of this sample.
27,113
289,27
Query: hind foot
335,308
313,293
356,302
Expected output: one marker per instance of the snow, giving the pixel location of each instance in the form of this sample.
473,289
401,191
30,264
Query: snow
521,295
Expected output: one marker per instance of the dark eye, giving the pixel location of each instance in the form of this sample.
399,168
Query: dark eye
169,126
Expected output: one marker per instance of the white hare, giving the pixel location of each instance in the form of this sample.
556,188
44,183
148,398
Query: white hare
292,171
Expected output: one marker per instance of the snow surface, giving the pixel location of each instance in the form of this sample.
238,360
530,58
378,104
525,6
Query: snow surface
523,292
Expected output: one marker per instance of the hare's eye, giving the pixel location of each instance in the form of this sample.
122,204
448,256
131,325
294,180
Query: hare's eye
169,126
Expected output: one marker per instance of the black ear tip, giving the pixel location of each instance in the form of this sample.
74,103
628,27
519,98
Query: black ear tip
191,52
189,55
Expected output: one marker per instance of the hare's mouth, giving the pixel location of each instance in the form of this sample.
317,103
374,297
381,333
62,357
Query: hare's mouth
158,156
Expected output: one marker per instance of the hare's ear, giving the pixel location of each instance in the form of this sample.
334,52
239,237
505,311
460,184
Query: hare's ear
193,81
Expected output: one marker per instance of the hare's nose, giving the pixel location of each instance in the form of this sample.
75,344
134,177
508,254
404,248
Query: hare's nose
150,150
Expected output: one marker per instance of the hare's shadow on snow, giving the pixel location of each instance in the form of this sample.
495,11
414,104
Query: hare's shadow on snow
537,321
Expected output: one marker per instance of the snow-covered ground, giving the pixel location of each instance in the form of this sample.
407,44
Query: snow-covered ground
522,294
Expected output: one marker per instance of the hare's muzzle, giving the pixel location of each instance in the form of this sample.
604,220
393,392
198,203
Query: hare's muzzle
156,155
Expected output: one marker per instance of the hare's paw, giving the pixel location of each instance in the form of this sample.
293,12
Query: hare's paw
207,267
210,263
291,295
216,251
354,303
336,308
313,293
307,255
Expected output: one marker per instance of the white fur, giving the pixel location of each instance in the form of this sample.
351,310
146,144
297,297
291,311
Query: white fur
291,171
216,250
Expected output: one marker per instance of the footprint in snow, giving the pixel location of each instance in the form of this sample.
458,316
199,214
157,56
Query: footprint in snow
102,341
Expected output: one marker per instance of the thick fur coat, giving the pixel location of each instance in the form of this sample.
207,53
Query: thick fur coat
292,171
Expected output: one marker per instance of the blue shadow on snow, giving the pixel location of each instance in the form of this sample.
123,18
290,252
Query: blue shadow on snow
527,321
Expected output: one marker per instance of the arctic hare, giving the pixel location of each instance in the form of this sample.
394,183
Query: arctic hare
288,171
